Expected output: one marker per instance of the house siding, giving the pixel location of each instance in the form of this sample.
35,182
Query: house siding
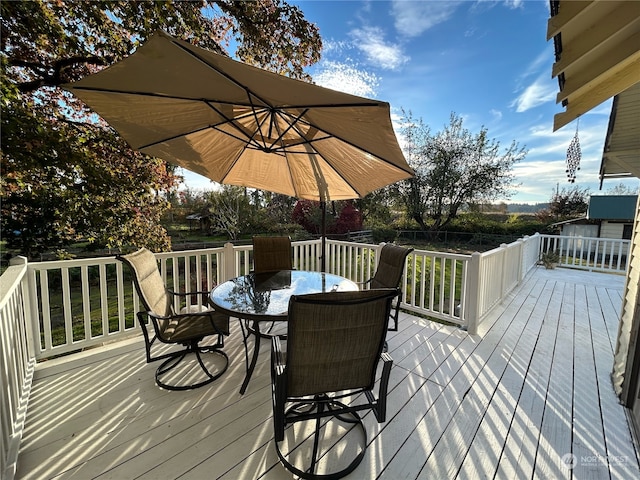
611,229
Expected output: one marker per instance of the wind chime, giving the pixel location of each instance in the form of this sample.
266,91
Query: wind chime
574,154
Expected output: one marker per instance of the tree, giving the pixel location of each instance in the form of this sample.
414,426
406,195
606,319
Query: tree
230,210
453,169
341,217
569,202
349,219
622,189
278,210
309,214
375,208
63,181
67,176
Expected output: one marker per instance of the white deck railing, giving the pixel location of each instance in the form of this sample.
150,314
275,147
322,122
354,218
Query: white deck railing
588,253
17,363
54,308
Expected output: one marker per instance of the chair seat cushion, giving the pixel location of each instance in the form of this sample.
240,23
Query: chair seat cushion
195,309
185,328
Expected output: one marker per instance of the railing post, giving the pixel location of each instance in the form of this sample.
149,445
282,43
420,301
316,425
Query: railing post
27,297
503,260
228,262
473,293
521,250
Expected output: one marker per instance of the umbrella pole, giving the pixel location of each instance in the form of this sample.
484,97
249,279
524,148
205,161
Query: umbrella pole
323,232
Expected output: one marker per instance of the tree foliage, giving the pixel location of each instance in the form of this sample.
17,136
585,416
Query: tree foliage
66,175
567,203
230,210
341,217
454,168
622,189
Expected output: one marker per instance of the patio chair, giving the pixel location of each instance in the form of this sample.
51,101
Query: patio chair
325,376
188,327
271,254
389,274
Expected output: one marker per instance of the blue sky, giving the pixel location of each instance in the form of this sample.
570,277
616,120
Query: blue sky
487,61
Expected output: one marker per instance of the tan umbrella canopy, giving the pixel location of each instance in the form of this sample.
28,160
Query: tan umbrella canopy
241,125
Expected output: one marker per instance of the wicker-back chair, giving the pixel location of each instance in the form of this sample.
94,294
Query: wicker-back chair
389,275
188,327
332,352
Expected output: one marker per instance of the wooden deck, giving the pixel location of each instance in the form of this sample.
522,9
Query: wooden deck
515,401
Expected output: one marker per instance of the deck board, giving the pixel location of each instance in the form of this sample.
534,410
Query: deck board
510,402
555,434
528,373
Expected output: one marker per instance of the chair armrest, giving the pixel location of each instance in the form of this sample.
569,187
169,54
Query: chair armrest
186,317
278,387
381,410
202,298
278,355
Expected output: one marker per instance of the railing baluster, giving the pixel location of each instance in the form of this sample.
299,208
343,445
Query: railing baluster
46,309
66,305
86,301
120,297
104,300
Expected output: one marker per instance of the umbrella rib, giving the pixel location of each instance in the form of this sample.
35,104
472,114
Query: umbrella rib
286,157
244,137
294,125
335,170
224,102
207,102
250,95
259,124
290,125
197,56
159,95
338,137
232,122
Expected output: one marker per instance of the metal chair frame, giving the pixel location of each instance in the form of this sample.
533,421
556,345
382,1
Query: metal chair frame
323,398
187,329
270,254
389,275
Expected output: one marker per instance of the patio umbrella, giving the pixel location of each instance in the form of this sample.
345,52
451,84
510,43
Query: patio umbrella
240,125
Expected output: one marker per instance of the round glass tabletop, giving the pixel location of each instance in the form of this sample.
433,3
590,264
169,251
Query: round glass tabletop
260,295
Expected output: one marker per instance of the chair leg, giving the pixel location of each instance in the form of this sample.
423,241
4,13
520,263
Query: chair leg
309,469
193,348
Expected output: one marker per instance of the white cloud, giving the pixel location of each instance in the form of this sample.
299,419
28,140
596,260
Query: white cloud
513,3
414,18
496,114
540,91
370,40
346,78
542,63
330,46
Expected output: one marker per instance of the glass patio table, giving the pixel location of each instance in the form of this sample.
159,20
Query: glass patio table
264,297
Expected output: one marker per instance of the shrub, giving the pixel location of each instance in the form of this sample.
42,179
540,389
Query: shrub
386,235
